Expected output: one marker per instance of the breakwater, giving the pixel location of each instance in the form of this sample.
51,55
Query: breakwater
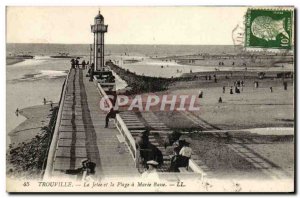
139,83
144,84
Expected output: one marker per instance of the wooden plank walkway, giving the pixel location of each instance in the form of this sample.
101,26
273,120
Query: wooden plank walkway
82,134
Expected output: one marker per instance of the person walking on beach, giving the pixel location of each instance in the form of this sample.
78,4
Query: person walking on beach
45,101
200,94
224,89
17,112
220,100
231,91
285,85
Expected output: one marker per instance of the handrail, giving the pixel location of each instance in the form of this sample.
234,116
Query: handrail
121,126
51,155
195,168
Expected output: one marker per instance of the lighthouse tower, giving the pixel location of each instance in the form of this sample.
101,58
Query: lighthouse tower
98,50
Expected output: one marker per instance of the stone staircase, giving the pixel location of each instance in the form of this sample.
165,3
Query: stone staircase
136,127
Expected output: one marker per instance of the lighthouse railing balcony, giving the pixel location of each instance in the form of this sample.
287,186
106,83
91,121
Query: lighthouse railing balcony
99,28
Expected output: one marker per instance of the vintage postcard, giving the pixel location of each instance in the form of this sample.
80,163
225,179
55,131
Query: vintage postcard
150,99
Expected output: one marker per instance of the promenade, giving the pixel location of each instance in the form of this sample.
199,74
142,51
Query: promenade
82,135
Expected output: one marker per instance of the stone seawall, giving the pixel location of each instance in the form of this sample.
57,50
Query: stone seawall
141,84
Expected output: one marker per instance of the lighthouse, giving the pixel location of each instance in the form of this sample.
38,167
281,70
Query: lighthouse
98,50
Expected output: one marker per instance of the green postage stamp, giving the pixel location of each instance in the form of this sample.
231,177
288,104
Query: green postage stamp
269,28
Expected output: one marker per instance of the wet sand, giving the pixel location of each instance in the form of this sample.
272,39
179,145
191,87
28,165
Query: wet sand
11,61
37,117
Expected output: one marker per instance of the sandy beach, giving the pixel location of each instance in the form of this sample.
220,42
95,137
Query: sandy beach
37,117
30,141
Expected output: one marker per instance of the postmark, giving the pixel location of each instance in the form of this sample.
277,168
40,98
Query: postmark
269,29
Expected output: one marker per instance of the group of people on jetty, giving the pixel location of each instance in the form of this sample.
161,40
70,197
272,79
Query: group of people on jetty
75,63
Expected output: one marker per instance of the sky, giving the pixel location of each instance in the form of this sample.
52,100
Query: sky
126,25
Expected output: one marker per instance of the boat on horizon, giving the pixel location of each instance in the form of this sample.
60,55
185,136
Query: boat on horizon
20,56
64,55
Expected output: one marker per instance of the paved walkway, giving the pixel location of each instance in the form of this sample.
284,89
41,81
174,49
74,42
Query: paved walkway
82,134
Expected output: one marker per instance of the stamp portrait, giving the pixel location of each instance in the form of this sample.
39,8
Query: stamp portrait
269,28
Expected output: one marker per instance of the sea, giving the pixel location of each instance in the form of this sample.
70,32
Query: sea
30,81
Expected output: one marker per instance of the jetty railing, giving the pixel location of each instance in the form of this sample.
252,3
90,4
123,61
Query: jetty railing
196,169
121,126
53,146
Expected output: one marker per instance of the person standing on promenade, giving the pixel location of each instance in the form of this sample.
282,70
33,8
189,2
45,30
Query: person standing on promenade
83,64
76,63
224,89
111,114
72,63
91,73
